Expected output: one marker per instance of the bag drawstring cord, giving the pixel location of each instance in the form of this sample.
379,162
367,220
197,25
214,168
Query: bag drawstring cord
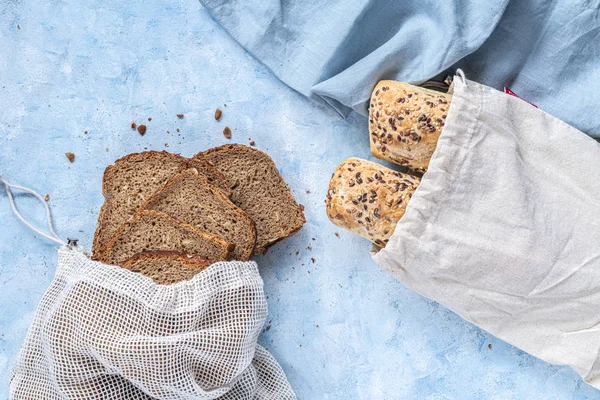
461,74
53,237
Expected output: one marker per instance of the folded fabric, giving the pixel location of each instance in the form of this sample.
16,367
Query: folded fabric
504,228
336,51
104,332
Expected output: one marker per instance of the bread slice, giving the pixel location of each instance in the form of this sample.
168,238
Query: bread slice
189,198
132,180
155,230
259,190
166,267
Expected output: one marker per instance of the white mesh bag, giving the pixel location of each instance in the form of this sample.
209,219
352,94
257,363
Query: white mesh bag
104,332
504,228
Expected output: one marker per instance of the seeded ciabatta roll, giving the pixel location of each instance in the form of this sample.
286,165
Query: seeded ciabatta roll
405,122
368,199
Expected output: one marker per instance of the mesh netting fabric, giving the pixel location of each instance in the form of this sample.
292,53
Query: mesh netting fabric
103,332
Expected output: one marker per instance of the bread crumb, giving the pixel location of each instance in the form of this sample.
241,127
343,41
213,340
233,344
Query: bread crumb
149,118
18,26
47,198
301,206
227,132
308,192
70,156
141,129
133,125
177,129
107,149
85,132
490,346
313,260
252,143
268,327
225,105
180,116
145,147
337,234
166,144
218,114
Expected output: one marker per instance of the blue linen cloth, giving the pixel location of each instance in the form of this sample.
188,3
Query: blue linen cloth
547,51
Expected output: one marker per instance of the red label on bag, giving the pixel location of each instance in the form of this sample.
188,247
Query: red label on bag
510,92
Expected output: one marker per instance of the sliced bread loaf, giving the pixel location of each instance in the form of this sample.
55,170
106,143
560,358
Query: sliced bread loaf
155,230
189,198
166,267
259,190
132,179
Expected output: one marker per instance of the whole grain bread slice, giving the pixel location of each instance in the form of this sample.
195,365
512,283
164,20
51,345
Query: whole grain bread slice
190,198
167,267
132,179
259,190
155,230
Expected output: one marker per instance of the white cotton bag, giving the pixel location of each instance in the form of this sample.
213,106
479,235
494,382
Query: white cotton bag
504,228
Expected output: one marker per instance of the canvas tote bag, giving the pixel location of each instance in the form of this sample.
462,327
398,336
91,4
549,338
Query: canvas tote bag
505,228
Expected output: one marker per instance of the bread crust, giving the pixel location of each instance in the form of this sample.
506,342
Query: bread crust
193,261
227,246
368,199
241,214
405,122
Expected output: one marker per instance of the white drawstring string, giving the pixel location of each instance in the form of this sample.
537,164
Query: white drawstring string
461,74
55,238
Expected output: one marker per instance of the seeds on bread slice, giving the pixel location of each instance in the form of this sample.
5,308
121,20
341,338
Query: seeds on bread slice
155,230
190,198
132,179
259,190
166,267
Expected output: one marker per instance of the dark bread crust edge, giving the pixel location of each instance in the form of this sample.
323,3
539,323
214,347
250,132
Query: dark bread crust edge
179,176
227,246
195,261
99,249
302,219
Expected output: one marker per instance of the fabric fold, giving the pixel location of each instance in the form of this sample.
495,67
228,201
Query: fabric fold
335,52
338,50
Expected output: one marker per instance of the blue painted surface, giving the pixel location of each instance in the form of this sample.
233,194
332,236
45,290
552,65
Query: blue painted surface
341,327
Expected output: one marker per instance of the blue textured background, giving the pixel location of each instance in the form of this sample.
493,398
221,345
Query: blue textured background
341,327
